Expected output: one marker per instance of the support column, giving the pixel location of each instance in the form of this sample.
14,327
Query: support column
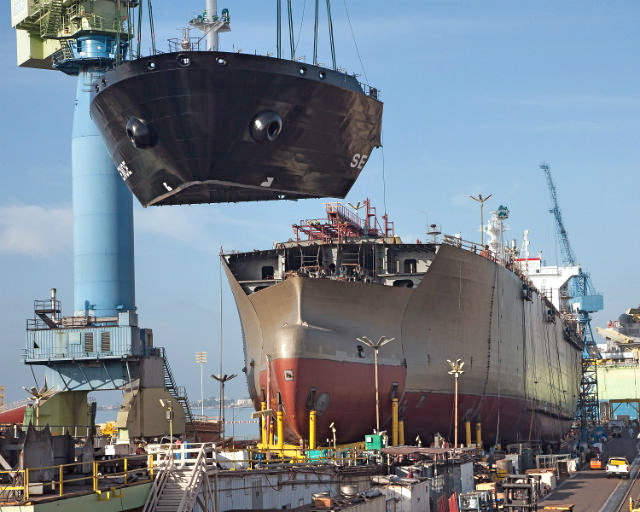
102,218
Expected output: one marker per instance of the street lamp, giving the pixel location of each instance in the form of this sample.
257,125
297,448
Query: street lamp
222,379
168,405
39,396
456,371
481,200
201,359
376,345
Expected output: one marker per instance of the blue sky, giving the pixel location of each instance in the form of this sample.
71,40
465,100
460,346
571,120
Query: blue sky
476,93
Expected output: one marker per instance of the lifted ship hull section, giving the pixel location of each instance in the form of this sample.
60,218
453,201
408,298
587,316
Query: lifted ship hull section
521,375
208,127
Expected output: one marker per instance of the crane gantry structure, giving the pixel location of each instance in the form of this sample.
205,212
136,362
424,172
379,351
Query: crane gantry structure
583,303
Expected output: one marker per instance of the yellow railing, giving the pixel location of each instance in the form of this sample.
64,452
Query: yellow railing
70,478
107,478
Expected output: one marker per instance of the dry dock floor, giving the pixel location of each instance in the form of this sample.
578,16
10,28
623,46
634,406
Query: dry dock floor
591,491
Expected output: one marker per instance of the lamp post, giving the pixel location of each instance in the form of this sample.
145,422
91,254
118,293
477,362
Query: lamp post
222,379
168,405
481,200
456,371
201,359
376,345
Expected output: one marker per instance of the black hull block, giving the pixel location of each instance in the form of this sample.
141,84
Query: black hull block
211,127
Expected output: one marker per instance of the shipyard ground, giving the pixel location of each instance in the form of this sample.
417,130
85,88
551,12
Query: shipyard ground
591,490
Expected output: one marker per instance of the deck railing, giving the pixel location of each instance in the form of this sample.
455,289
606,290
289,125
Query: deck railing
107,478
104,477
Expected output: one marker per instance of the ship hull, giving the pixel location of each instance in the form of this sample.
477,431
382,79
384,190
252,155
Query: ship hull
521,377
14,415
207,127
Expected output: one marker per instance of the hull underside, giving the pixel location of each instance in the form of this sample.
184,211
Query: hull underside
521,377
348,399
207,127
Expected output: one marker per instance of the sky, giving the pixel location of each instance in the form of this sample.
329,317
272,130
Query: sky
476,95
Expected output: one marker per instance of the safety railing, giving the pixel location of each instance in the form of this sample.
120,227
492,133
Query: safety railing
99,476
160,480
197,476
108,478
185,456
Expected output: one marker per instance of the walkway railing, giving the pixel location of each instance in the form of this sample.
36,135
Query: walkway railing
107,477
75,478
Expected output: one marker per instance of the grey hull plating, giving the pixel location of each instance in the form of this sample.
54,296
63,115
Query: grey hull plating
521,376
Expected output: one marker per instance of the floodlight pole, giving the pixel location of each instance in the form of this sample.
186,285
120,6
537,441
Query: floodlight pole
201,359
222,379
376,345
481,200
456,371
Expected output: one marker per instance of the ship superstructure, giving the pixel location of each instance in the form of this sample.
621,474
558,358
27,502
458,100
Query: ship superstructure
304,303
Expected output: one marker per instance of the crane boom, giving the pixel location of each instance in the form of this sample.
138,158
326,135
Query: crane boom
582,304
568,256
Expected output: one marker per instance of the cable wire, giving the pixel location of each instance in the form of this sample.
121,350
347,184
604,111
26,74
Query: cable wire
304,7
364,72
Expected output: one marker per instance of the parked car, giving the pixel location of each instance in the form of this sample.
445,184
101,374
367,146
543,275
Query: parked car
618,466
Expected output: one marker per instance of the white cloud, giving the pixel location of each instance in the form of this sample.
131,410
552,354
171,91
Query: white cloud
34,230
204,227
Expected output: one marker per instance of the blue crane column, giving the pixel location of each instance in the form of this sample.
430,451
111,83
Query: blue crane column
104,282
101,346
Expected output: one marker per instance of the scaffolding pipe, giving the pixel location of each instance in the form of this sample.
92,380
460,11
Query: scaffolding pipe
467,430
479,435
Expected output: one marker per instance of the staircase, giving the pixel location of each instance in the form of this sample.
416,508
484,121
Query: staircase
174,491
178,487
177,392
51,20
66,48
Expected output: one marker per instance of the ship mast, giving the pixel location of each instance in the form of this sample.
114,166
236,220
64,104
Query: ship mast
211,24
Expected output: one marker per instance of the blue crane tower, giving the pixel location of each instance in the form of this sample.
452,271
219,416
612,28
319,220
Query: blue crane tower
584,302
101,346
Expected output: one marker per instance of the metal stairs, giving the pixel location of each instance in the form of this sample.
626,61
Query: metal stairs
65,48
177,392
51,20
174,490
183,486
